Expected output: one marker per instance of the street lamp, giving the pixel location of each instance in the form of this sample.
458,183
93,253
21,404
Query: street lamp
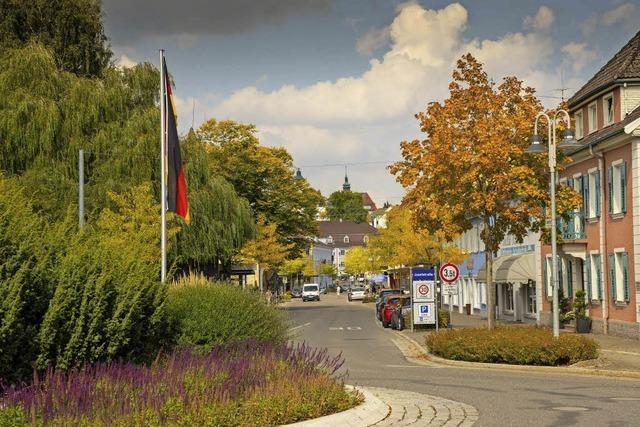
568,143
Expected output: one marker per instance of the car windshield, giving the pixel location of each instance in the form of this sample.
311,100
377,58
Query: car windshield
357,289
311,288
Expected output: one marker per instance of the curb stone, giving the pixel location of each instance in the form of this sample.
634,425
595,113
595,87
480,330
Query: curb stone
370,412
628,375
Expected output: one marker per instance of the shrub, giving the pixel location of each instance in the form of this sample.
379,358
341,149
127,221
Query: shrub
203,314
512,345
444,318
249,384
368,298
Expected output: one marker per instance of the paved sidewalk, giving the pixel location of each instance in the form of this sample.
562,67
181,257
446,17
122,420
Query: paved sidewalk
616,353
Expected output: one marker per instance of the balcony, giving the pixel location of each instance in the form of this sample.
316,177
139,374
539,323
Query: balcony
573,228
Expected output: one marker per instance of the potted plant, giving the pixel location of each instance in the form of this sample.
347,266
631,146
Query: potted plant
583,322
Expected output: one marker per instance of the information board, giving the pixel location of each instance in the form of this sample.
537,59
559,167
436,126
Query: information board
423,284
424,313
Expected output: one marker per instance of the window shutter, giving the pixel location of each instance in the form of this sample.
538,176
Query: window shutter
612,276
585,196
625,275
570,183
598,262
610,194
547,282
623,186
597,182
587,266
570,279
560,281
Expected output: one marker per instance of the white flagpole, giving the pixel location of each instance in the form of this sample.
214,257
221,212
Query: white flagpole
163,185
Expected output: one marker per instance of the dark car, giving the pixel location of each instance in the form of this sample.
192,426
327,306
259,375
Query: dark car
380,300
387,309
296,293
402,308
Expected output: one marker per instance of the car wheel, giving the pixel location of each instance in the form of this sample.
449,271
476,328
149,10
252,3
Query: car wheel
349,298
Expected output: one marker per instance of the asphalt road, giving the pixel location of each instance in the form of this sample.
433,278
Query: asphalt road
503,398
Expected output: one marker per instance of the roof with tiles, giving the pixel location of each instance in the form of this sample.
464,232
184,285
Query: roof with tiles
624,65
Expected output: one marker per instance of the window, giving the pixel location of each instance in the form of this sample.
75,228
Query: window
532,306
619,276
579,125
593,117
366,239
330,239
341,251
578,187
591,194
593,274
617,187
607,102
346,239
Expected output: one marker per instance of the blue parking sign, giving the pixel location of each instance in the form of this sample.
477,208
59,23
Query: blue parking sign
424,309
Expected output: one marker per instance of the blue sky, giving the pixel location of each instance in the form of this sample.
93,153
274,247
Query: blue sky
339,81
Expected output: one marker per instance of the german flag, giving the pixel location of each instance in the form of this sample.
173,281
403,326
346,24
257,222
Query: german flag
176,182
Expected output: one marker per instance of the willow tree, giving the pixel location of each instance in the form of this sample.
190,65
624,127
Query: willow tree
472,163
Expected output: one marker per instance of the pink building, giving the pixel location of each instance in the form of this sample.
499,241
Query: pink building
600,250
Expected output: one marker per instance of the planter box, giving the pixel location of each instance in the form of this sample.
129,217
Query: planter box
583,326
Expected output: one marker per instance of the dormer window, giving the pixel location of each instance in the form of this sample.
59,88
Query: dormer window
593,117
366,239
330,239
346,239
607,102
579,125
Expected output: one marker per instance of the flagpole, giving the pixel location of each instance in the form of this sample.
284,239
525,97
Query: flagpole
163,184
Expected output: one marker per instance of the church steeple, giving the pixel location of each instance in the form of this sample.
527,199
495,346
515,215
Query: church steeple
346,186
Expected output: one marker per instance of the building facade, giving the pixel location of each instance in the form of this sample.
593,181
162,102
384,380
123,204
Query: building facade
600,247
341,236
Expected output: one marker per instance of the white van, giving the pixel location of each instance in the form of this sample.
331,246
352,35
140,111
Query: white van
310,291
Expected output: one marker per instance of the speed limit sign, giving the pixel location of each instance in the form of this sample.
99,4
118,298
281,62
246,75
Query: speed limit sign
449,273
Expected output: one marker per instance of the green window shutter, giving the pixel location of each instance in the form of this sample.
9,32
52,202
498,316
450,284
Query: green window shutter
625,275
587,267
585,196
623,186
570,279
597,182
597,260
612,276
610,185
570,183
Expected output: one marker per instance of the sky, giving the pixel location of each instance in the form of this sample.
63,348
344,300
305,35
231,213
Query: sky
338,82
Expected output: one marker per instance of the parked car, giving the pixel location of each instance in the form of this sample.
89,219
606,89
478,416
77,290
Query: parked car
387,309
323,289
310,292
355,294
401,309
296,293
381,300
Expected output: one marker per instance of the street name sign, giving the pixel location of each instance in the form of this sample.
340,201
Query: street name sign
423,284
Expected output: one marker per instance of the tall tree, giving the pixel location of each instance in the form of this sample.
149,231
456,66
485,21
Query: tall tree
264,176
72,29
472,163
346,206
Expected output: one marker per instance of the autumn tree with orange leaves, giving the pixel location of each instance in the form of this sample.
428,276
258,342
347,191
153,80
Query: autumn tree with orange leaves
472,164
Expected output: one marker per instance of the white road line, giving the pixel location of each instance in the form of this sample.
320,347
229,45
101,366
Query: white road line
299,326
621,352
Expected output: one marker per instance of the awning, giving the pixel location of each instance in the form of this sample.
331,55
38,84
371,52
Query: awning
518,268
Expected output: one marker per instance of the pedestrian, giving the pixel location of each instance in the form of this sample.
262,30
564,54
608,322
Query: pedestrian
338,289
268,295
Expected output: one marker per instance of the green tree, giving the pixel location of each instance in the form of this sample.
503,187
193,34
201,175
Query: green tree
263,176
346,206
360,259
71,29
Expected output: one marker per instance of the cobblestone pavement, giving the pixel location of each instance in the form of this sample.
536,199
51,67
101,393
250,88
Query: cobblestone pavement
416,409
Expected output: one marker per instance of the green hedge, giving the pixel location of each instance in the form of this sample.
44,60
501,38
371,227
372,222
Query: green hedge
512,345
203,314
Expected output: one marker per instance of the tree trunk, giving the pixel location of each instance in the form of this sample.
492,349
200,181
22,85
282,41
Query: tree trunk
491,291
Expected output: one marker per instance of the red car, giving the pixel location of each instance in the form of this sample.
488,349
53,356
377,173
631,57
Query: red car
388,308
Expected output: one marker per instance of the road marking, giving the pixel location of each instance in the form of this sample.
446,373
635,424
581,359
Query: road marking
631,353
570,408
354,328
631,399
299,326
336,329
348,328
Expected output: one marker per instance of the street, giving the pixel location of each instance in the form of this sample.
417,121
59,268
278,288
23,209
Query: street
502,398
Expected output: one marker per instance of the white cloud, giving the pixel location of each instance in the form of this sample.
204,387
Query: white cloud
373,39
578,55
125,62
542,20
621,14
589,26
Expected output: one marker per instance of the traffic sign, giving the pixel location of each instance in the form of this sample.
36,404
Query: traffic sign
424,313
449,273
423,284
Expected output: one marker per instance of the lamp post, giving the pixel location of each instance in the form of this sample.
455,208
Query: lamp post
568,142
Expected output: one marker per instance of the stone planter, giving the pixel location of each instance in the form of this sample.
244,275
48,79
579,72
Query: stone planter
583,325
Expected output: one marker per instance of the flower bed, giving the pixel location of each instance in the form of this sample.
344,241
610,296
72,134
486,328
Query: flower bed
248,384
512,345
